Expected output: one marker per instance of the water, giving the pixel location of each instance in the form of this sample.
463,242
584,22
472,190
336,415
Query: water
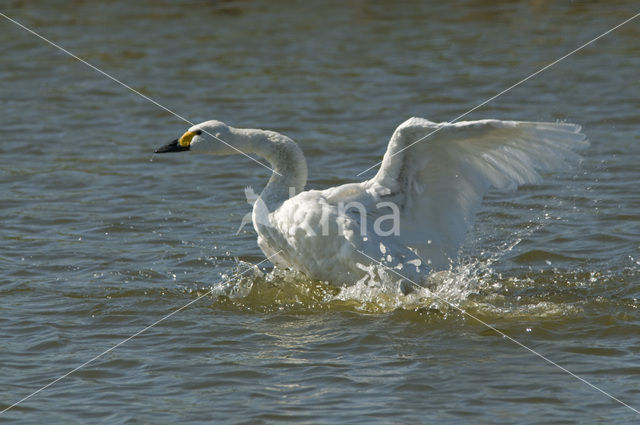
100,238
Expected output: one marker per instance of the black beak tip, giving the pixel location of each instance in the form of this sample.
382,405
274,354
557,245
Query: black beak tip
174,146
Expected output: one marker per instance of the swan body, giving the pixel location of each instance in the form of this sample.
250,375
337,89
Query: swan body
412,216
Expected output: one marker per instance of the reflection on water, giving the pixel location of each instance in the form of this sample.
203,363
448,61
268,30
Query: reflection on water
100,238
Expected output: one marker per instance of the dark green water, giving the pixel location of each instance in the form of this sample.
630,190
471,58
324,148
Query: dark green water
99,238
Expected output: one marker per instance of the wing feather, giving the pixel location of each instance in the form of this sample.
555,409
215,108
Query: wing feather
439,182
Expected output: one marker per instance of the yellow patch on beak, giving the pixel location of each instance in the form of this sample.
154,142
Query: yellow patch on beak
186,138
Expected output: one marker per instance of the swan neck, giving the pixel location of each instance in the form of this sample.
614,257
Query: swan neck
287,162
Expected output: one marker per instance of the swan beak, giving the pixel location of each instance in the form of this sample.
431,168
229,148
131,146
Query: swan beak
172,147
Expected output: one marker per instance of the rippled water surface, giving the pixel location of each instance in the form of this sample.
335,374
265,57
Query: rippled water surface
99,238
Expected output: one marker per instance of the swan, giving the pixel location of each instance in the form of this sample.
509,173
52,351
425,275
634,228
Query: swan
412,216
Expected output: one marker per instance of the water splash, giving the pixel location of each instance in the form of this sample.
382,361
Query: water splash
475,283
523,300
380,291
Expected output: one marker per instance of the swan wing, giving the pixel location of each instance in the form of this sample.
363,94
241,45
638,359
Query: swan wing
438,183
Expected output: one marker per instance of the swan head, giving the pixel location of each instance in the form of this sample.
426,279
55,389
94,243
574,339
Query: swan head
200,137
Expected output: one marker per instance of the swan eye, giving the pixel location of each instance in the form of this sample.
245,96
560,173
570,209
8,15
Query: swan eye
198,132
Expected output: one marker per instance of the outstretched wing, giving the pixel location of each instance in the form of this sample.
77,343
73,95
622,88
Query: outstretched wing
439,182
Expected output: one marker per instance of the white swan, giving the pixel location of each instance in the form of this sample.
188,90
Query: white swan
412,216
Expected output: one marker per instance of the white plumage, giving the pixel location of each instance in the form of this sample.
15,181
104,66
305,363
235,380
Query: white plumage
430,190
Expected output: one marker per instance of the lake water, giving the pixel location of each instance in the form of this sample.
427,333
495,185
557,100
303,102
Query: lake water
100,238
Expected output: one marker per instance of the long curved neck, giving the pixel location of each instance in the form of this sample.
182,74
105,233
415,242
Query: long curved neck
285,157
